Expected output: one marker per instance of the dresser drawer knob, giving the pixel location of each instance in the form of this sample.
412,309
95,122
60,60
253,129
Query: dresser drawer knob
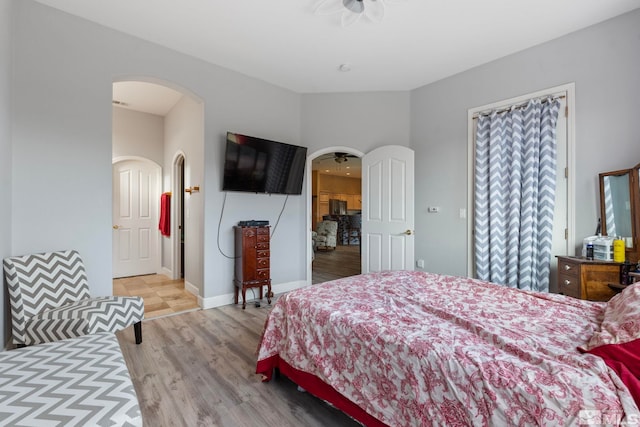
567,282
567,267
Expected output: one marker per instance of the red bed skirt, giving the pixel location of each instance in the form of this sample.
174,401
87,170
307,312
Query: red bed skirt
317,387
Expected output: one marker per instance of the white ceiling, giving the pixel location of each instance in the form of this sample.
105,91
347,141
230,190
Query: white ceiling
146,97
285,43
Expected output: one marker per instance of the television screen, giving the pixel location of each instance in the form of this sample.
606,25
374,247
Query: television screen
261,166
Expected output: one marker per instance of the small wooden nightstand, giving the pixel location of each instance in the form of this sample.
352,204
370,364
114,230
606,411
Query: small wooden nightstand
587,279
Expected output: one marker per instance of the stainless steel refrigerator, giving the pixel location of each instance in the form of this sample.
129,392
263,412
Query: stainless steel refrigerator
337,207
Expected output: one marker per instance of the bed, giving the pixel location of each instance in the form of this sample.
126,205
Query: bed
410,348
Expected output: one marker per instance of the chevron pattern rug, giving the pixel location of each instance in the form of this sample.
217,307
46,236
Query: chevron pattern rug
78,382
50,301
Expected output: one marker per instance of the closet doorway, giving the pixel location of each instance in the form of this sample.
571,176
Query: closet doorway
564,210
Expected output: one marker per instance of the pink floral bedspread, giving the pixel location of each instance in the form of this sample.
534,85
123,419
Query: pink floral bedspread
416,349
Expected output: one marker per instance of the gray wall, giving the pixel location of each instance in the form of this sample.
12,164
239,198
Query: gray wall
59,124
363,121
604,63
5,154
64,68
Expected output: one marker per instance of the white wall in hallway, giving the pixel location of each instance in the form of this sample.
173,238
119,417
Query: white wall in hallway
138,134
184,127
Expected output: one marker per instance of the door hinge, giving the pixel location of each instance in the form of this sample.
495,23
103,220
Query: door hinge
566,111
566,233
566,172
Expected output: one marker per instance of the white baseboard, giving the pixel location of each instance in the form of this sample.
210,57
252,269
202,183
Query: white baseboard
227,299
167,272
217,301
281,288
191,288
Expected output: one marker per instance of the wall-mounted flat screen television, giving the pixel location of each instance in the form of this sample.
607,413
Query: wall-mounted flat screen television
258,165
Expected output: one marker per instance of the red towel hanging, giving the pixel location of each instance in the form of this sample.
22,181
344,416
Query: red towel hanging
165,214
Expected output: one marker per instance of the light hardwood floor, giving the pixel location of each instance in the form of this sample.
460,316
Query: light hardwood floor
198,369
162,296
330,265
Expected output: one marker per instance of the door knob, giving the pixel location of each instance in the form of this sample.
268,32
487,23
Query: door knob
115,227
408,232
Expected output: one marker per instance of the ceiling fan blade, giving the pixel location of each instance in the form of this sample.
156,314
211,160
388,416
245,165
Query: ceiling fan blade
374,11
350,18
327,7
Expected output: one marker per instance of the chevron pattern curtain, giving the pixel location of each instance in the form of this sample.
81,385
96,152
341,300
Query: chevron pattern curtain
515,182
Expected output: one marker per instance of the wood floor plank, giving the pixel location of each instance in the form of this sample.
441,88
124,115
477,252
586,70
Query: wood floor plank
329,265
198,368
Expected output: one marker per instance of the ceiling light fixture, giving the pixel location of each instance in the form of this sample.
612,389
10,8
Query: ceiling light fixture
355,6
353,10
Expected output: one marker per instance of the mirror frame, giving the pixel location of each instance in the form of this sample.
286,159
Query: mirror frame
634,201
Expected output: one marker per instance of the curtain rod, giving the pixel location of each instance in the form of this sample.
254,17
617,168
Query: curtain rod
542,99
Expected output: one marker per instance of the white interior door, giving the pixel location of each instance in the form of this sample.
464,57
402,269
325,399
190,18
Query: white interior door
136,200
388,212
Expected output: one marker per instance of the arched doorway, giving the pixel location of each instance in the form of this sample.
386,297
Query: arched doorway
334,192
164,123
178,224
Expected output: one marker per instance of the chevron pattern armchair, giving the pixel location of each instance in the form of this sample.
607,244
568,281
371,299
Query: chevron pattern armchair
50,300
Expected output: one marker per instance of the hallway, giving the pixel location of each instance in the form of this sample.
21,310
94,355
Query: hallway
162,296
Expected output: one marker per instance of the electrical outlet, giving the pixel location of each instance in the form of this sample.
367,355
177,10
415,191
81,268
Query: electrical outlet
420,263
433,209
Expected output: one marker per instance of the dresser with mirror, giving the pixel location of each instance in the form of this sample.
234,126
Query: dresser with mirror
620,208
620,216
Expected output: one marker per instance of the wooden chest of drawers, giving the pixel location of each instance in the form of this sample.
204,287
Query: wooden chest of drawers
587,279
252,261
